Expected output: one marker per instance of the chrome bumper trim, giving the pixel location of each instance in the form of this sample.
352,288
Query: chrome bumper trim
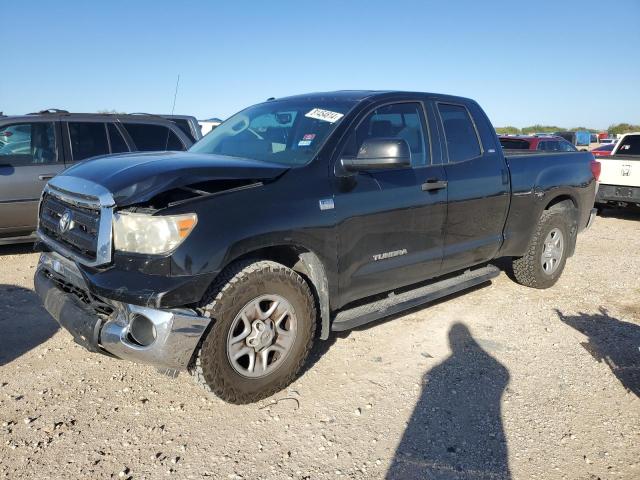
177,335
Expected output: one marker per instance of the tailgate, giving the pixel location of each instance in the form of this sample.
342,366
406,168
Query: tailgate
620,170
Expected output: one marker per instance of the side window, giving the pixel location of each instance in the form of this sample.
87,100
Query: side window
88,139
118,145
399,120
149,138
542,146
567,147
28,143
460,134
183,124
552,146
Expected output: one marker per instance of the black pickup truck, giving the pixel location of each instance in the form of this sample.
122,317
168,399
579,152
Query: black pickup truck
296,217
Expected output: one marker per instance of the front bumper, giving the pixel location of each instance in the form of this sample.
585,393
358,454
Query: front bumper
105,326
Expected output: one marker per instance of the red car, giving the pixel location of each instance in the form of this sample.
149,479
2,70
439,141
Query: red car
603,150
546,143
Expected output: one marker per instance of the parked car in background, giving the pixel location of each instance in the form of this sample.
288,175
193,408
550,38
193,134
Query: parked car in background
603,150
540,143
209,124
620,175
581,138
36,147
606,141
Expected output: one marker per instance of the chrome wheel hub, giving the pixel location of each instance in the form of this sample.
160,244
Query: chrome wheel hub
261,336
552,251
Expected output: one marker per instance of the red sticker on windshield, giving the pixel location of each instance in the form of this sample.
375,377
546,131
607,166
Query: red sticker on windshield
309,136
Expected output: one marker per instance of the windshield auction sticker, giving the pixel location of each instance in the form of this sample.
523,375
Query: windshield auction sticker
324,115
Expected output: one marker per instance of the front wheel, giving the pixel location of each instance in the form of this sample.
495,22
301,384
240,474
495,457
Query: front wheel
263,324
547,252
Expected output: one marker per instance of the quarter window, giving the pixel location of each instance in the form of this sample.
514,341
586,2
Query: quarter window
28,143
399,120
150,138
118,145
88,139
462,140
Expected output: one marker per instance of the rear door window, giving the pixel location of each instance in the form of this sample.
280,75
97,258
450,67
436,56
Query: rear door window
149,138
514,144
28,143
118,145
184,125
88,139
630,145
460,133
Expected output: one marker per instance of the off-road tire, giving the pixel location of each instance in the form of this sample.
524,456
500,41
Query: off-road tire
237,285
527,269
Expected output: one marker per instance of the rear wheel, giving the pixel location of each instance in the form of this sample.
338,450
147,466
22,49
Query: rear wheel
263,325
547,252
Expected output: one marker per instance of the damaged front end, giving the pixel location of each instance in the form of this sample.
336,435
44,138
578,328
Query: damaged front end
165,338
106,274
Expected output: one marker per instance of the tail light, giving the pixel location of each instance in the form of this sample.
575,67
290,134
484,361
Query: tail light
596,168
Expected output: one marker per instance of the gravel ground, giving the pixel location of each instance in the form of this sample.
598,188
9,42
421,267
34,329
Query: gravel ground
500,382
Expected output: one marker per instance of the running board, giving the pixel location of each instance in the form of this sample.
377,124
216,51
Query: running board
369,312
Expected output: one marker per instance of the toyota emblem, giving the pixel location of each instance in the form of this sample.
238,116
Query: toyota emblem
66,222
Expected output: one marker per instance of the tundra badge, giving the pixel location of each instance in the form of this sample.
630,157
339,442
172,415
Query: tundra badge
385,255
326,204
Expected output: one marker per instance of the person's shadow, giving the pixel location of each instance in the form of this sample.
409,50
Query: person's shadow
24,323
612,341
455,431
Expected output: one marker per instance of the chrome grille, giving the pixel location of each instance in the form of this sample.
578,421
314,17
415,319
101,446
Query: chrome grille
82,236
76,220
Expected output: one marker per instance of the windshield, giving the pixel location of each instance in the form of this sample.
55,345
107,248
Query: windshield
289,132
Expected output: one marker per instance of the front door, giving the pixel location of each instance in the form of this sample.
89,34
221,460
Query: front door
390,232
29,157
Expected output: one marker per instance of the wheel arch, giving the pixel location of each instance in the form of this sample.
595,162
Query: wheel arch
570,205
306,263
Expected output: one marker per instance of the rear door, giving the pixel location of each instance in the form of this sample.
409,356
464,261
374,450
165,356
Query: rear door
86,138
30,155
390,231
478,186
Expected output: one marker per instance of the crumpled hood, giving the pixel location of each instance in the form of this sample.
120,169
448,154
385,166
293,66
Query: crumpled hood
137,177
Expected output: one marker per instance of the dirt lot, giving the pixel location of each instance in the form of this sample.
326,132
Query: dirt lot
502,382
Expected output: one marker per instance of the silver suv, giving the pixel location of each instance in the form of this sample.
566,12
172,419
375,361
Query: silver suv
36,147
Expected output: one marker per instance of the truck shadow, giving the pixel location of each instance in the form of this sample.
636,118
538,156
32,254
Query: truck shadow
18,249
611,341
24,323
455,431
623,213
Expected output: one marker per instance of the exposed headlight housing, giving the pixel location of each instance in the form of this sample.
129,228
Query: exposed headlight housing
143,233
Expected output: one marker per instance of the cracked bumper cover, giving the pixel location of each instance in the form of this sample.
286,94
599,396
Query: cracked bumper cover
177,331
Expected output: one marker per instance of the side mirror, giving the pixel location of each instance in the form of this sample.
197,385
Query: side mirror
379,154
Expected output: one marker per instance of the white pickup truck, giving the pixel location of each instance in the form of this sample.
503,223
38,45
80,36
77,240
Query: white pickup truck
620,176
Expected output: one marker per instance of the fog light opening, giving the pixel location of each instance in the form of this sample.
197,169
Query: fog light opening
142,331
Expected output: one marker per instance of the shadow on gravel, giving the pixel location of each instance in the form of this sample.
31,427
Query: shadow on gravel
24,323
611,341
18,249
455,431
623,213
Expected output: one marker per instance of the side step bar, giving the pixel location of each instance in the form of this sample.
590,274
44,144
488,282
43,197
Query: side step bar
369,312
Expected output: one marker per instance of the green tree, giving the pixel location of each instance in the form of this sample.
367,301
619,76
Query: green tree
541,129
620,128
507,130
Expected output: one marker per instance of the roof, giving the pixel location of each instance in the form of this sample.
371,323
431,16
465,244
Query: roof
359,95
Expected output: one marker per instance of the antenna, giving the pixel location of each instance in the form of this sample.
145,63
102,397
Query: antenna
175,95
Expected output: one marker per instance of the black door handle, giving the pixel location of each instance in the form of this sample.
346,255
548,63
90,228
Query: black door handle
434,184
46,176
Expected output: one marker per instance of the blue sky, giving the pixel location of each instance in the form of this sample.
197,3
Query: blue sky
525,64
